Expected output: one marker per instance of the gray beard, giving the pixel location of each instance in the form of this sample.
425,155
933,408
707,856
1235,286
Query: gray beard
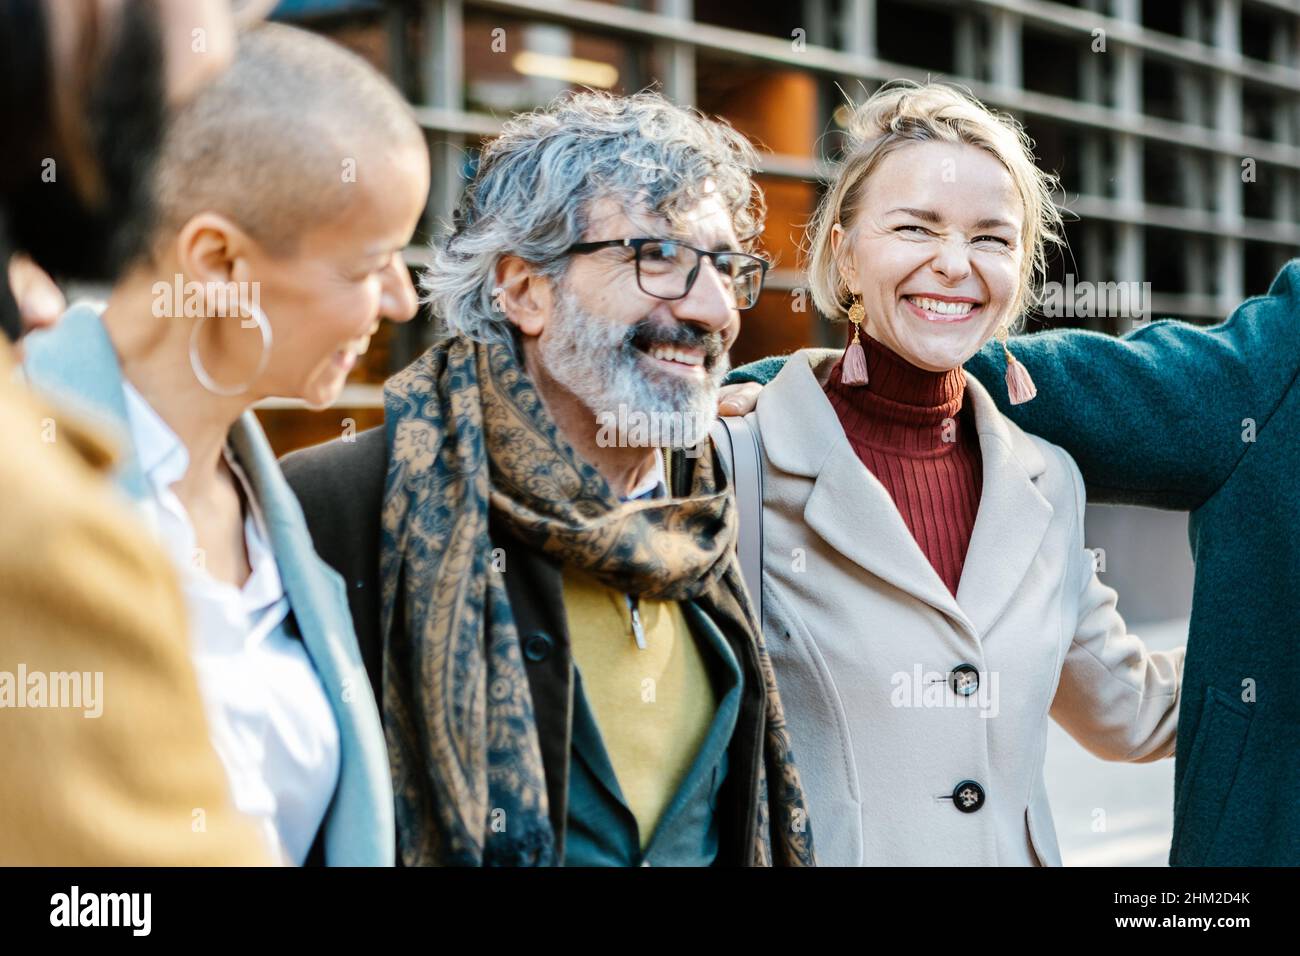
594,360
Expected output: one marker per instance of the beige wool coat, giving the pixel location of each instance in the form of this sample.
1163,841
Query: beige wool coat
871,649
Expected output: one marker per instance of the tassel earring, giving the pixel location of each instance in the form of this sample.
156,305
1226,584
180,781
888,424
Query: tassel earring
1020,384
853,371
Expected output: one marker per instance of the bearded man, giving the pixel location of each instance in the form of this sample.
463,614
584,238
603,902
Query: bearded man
543,579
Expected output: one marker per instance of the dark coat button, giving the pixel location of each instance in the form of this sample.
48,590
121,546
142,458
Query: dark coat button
968,796
538,646
965,679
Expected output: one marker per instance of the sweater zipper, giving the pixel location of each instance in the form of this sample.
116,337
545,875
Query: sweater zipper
638,632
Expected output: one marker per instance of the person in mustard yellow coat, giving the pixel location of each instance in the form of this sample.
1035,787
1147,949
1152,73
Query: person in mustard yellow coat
103,738
123,773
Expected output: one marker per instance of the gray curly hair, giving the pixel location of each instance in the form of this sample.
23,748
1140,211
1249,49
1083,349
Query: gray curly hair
536,182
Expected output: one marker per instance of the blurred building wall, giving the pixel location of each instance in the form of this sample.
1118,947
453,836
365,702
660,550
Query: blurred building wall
1174,126
1145,556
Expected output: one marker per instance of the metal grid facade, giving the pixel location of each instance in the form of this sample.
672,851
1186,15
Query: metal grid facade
1174,126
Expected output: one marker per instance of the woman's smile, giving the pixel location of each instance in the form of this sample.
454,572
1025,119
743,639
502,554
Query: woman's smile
942,308
346,357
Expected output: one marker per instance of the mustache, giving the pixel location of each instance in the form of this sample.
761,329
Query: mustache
647,334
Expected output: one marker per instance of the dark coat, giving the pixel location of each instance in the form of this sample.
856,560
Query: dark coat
341,485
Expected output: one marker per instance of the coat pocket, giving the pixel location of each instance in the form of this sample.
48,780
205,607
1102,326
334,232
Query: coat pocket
1208,779
821,737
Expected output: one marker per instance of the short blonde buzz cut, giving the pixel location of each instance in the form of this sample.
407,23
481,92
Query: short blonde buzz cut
901,114
266,144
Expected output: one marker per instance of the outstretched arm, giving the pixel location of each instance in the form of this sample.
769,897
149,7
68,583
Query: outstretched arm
125,774
1157,417
1161,415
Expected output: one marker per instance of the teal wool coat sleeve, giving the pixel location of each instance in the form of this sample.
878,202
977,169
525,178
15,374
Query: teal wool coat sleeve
761,371
1157,417
1160,416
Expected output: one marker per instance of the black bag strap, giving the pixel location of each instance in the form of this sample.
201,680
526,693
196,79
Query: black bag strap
737,443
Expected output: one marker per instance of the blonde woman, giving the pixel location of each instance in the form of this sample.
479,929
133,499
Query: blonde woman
927,597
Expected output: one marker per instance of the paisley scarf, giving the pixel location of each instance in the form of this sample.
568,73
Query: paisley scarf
468,436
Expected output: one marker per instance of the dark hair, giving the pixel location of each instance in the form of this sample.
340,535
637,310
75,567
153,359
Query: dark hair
123,108
24,85
24,114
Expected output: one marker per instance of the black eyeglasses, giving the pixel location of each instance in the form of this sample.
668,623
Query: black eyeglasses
667,269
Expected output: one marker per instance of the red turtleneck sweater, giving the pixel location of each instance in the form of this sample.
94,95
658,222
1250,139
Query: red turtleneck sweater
896,425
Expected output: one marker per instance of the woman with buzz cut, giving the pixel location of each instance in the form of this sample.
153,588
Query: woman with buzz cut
287,190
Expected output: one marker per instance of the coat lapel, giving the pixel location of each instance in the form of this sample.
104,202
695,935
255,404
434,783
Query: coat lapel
854,513
75,365
848,506
360,826
1013,515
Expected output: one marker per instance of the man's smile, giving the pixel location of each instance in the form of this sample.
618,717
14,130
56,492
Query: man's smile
681,361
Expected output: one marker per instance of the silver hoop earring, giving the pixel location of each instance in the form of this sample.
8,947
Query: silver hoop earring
211,384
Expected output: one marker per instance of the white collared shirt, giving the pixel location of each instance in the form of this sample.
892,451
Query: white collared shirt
271,723
653,481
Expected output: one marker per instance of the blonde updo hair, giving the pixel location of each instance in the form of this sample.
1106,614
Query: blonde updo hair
902,113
